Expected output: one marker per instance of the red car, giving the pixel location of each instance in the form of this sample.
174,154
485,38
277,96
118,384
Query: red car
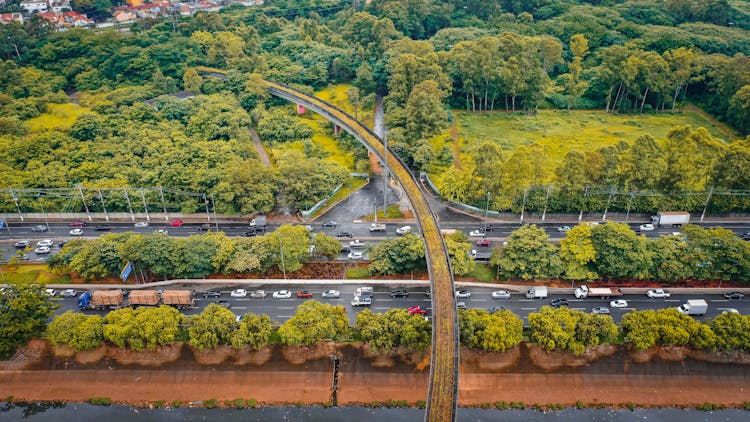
77,223
417,310
484,242
303,294
176,223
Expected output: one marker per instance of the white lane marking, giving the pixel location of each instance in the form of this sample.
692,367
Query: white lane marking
528,309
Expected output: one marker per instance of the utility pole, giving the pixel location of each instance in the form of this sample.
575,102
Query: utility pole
585,195
104,207
486,211
216,219
145,207
15,200
546,201
163,205
130,207
83,198
609,201
281,249
708,198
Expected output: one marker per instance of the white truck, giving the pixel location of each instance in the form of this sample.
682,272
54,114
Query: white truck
670,218
600,292
376,227
362,296
537,292
693,307
258,223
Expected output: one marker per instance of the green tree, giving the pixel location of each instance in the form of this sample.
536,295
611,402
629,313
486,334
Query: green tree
459,252
579,46
142,328
24,311
192,257
326,246
425,115
79,331
666,327
215,326
314,322
398,256
396,327
528,255
495,332
571,330
253,332
192,81
732,331
620,252
577,253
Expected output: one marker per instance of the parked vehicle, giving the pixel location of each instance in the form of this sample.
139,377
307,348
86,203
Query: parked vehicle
101,299
331,294
304,294
417,310
693,307
501,294
734,295
39,228
399,293
619,303
600,292
556,303
258,294
345,234
537,292
330,224
282,294
658,293
670,218
376,227
403,230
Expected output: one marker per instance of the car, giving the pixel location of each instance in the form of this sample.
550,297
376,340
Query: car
68,293
562,228
176,223
45,242
355,255
356,243
141,225
103,227
344,234
331,294
677,234
487,228
476,233
501,294
345,249
484,242
730,311
50,292
304,294
250,233
619,303
399,293
42,250
225,304
22,243
461,305
734,295
330,224
746,235
463,294
39,228
403,230
62,243
657,293
417,310
161,231
282,294
210,294
556,303
238,293
205,227
601,310
77,223
258,294
494,309
646,227
309,227
76,232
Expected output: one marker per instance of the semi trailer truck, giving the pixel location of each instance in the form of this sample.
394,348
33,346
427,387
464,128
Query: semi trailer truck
670,218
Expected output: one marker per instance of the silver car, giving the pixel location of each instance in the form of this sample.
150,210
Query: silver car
258,294
601,310
331,294
501,294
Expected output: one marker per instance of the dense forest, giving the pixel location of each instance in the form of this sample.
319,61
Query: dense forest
426,57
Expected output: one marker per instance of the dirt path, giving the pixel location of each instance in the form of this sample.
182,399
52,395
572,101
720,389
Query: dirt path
723,128
456,152
259,147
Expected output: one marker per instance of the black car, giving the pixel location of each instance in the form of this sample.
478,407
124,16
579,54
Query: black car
746,235
345,249
329,224
556,303
103,227
344,234
225,304
734,295
250,233
211,294
486,228
399,293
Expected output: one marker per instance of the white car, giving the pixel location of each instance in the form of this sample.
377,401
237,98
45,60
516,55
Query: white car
282,294
501,294
41,250
403,230
463,294
730,311
45,242
356,243
238,293
258,294
331,294
619,303
76,232
646,227
50,292
355,255
68,293
141,225
476,233
657,293
600,310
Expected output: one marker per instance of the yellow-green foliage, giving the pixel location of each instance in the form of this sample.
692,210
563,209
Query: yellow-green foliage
58,116
336,95
32,273
559,131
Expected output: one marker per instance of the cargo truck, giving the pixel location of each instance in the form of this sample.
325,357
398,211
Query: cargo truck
362,296
258,223
101,299
143,298
375,227
537,292
179,299
600,292
670,218
693,307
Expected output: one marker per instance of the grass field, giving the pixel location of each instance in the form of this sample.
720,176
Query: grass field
30,273
58,116
561,131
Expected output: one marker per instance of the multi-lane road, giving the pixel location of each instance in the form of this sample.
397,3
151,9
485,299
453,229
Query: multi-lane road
283,309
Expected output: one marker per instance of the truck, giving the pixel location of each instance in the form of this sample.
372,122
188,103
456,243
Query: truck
362,296
480,255
179,299
143,298
376,227
101,299
258,223
537,292
600,292
670,218
693,307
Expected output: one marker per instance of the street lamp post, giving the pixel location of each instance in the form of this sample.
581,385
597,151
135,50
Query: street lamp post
486,210
281,249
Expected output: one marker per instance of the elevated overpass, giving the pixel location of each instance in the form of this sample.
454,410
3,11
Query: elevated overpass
443,388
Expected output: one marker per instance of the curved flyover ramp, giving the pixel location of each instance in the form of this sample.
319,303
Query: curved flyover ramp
442,393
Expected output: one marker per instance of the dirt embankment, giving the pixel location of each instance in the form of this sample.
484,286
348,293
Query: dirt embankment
275,375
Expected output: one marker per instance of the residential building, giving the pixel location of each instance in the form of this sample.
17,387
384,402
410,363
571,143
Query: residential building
34,6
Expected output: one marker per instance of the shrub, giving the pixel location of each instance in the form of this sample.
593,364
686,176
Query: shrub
158,404
176,403
501,405
210,404
421,404
100,401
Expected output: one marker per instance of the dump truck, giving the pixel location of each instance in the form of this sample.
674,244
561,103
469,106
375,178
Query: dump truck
599,292
143,298
537,292
376,227
180,299
670,218
693,307
101,299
